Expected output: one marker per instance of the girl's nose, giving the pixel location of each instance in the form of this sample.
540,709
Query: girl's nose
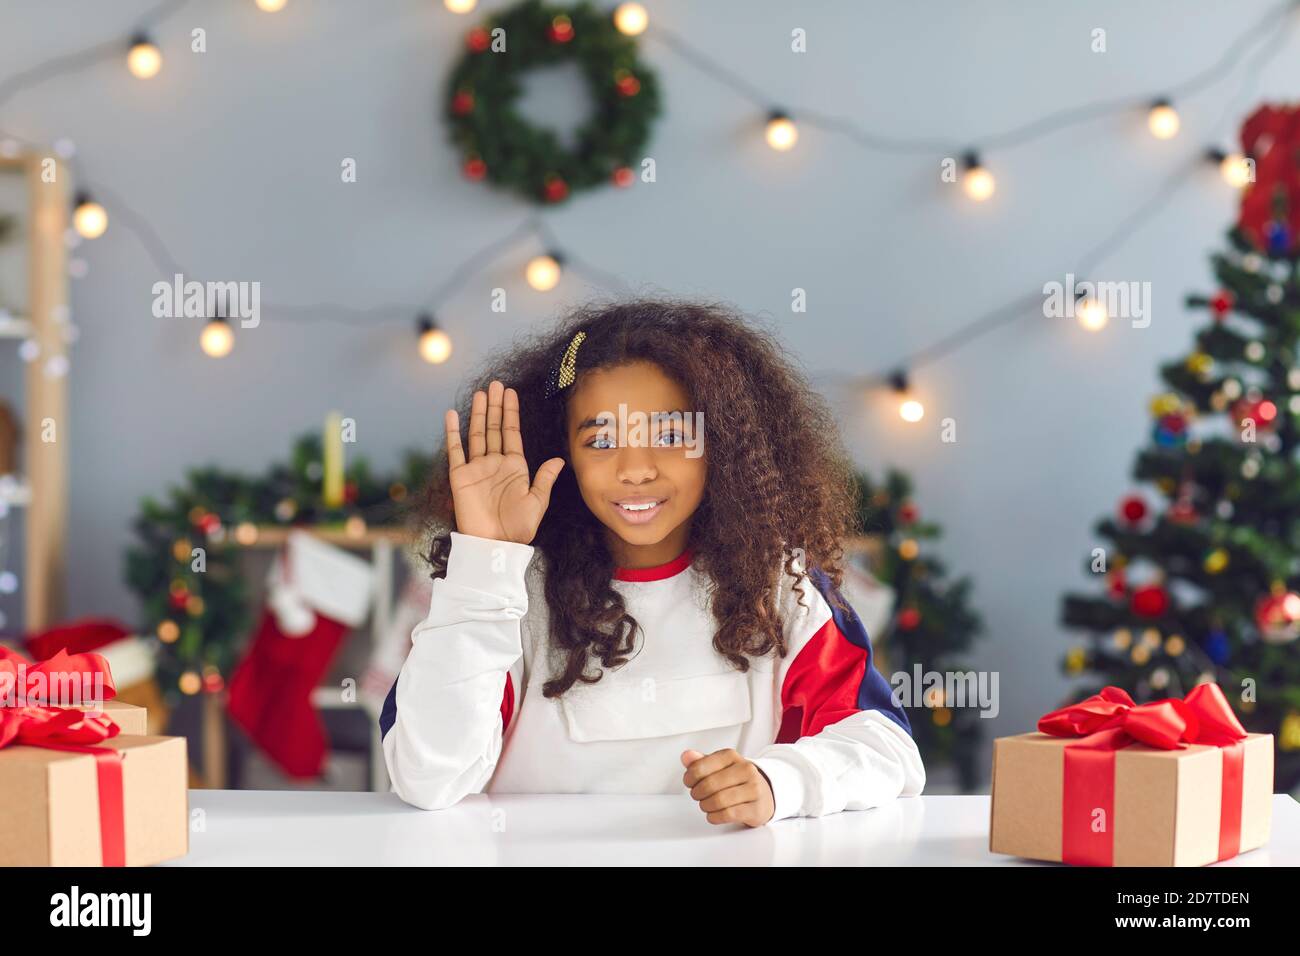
636,464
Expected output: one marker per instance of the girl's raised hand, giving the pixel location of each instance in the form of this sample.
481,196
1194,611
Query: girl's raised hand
490,488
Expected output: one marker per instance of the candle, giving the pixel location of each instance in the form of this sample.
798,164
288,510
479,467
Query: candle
333,464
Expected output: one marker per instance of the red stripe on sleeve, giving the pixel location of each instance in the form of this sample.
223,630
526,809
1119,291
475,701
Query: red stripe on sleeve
507,703
821,686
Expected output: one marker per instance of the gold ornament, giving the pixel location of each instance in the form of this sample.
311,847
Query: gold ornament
1216,561
1288,736
1075,659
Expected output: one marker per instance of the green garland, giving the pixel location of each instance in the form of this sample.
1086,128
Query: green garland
499,145
198,618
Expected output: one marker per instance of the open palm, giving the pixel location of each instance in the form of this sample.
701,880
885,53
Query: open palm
492,494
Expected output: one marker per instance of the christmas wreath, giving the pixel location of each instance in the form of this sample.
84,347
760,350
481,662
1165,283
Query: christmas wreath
504,148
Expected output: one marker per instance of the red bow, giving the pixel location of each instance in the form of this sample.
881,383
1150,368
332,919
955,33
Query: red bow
1110,721
60,728
1202,717
33,683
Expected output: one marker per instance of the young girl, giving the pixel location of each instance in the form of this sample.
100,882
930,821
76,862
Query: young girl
657,609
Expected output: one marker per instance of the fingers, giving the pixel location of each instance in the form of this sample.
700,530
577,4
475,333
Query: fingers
746,792
728,778
494,400
690,756
544,480
478,426
455,453
711,764
512,442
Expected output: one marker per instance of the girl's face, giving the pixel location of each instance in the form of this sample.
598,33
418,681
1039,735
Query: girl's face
640,468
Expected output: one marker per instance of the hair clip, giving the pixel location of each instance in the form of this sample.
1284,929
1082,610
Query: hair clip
567,371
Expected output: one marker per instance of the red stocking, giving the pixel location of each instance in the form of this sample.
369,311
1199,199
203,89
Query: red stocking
317,594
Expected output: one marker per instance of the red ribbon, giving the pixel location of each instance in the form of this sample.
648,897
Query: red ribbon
61,728
32,683
1110,721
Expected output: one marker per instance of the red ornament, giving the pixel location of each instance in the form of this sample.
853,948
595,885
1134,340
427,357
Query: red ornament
350,492
1261,411
623,177
1182,512
1222,303
555,189
1133,509
178,599
213,683
1150,601
477,40
627,84
909,618
1175,423
474,168
1116,586
560,30
462,103
209,523
908,512
1278,617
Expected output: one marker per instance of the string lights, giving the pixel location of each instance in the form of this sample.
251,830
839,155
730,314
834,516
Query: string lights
143,57
544,272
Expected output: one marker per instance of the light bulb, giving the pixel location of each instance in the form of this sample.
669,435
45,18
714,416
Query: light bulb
782,134
460,6
435,344
631,19
217,339
1091,314
270,6
1163,120
977,181
145,59
910,410
89,218
1235,170
543,272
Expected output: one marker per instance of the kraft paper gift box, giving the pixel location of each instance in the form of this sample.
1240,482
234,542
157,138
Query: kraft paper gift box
133,720
1104,796
59,810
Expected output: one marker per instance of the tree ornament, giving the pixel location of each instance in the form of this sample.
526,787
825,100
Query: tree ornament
1151,600
1216,561
1133,509
1288,737
908,512
1277,615
909,619
1222,303
1217,646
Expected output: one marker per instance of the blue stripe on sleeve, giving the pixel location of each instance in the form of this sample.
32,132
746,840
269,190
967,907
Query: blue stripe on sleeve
388,716
874,692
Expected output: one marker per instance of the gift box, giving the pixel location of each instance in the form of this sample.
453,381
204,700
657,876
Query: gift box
83,807
133,720
1108,783
83,784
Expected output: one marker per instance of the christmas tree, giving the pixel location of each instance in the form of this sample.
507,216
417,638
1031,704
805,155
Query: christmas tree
1203,575
932,624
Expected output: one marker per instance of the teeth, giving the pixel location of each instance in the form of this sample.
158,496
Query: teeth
644,507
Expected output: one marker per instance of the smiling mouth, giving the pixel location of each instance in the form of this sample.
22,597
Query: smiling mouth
639,510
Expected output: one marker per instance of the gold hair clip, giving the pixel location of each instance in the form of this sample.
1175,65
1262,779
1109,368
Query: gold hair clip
567,371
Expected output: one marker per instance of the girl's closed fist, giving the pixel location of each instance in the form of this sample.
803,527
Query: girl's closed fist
490,487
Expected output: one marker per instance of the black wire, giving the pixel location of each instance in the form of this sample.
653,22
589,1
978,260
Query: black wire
1016,135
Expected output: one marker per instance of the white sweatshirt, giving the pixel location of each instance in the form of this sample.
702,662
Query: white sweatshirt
466,714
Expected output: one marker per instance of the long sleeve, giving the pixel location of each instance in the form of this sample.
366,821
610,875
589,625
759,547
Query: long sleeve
445,719
843,743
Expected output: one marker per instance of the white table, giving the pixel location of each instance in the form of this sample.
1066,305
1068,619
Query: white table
322,828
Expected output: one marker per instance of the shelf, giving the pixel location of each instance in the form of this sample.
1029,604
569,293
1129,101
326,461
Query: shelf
15,494
14,327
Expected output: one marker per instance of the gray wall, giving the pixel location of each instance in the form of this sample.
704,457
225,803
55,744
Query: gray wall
234,156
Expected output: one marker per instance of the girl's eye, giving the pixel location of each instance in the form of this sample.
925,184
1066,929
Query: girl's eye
601,442
670,438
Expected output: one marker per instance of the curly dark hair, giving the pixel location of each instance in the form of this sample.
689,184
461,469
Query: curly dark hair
778,479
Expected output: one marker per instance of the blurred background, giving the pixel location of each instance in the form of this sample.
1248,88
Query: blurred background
888,188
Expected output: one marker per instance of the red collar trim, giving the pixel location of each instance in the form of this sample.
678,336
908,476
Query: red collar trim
657,573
